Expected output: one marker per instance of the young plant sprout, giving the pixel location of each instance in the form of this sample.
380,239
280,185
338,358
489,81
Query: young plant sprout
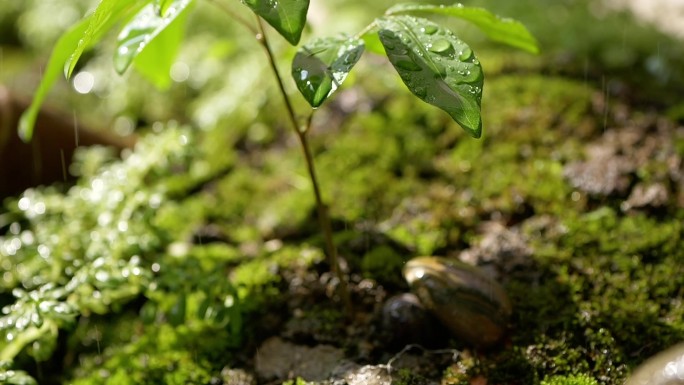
432,61
435,65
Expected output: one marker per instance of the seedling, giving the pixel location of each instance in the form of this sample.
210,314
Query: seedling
435,65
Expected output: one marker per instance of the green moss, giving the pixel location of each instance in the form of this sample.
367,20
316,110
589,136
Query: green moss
425,237
365,169
162,355
533,124
259,271
409,377
511,367
537,109
579,379
296,381
259,200
384,265
605,285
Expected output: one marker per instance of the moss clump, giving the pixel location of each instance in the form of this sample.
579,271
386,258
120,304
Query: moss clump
527,142
511,367
578,379
297,381
606,283
408,377
160,355
384,265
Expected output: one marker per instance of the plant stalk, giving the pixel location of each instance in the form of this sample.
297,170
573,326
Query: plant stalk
233,15
321,207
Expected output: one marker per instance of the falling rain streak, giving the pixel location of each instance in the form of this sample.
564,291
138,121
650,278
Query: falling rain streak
64,167
606,101
76,138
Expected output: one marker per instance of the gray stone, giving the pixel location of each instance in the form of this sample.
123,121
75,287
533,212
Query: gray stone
277,359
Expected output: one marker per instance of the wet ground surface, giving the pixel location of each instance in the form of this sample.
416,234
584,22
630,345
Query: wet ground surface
635,166
572,205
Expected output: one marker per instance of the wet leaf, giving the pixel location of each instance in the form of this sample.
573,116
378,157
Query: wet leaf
372,42
176,315
288,17
155,61
162,6
321,66
500,29
42,348
15,377
203,310
145,26
68,51
235,314
35,315
107,13
148,312
436,66
64,47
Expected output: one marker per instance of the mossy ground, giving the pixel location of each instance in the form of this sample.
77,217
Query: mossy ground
599,292
233,246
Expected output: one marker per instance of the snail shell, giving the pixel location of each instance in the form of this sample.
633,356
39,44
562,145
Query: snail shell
471,305
665,368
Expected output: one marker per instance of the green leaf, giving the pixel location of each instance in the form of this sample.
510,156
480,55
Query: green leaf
372,42
66,44
148,312
162,6
502,30
142,29
107,13
19,377
321,66
436,66
69,49
288,17
176,315
155,61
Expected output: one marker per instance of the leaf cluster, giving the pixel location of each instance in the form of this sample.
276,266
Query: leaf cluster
432,61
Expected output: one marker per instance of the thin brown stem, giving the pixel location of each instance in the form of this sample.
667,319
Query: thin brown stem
321,207
234,15
370,27
261,37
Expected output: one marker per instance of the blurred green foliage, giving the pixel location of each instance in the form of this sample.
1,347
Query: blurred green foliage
103,244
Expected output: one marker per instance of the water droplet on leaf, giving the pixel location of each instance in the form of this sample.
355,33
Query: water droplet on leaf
465,54
440,46
472,74
303,74
429,29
